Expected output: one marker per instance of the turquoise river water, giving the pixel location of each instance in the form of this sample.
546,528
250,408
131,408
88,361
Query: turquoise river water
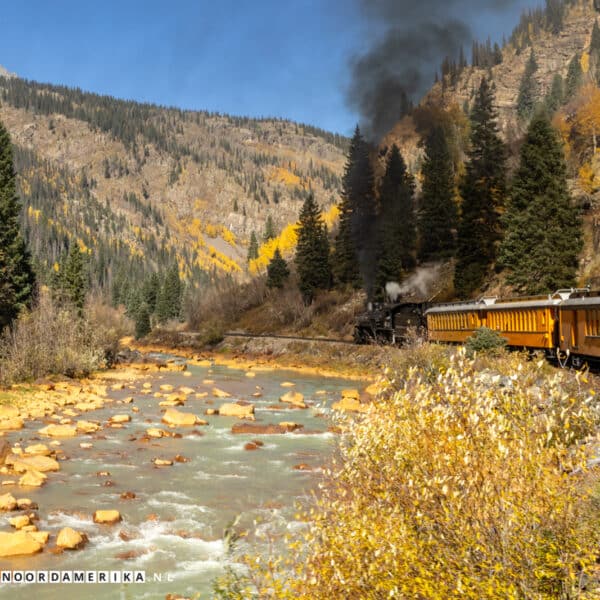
173,529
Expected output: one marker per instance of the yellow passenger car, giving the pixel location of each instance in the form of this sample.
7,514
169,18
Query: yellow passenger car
523,322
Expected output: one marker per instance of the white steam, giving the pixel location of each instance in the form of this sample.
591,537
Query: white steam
419,283
393,290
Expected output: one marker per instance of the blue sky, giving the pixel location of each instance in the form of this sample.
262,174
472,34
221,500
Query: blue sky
286,58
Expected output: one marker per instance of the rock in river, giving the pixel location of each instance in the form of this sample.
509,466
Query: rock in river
19,543
32,463
294,398
33,479
7,502
242,411
107,516
257,428
70,539
58,431
177,418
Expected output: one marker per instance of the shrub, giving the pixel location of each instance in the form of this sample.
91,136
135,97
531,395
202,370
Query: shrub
52,339
485,340
452,487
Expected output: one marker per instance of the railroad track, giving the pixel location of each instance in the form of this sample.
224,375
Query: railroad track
286,337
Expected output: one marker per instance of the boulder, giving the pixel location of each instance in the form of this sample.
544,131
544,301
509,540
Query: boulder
200,395
40,536
86,445
120,419
241,411
107,516
251,446
87,426
20,543
154,432
250,374
218,393
211,411
58,431
187,374
70,539
294,398
351,394
7,502
350,405
186,390
26,504
33,479
20,521
176,418
208,381
147,385
290,425
87,406
42,464
4,451
128,400
257,428
11,424
287,384
166,387
38,450
161,462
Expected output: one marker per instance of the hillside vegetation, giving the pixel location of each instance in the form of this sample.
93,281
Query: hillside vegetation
139,186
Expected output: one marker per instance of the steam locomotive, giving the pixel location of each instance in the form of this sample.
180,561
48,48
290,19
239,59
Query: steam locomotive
564,325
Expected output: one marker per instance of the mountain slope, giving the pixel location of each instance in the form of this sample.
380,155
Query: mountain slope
141,185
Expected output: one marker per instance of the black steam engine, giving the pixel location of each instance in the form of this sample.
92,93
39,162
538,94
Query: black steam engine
390,323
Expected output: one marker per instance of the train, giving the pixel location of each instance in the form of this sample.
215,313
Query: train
564,325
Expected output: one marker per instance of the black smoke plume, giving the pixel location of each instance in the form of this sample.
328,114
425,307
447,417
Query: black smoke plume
410,40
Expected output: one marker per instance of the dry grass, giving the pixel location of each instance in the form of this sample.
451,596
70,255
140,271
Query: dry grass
53,339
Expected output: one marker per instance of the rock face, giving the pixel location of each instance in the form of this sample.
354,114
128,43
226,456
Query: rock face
294,398
20,543
242,411
107,517
176,418
70,539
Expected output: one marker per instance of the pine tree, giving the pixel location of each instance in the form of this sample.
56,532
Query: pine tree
355,248
269,230
173,292
277,271
312,251
17,279
437,218
142,321
397,238
543,229
73,277
574,77
150,291
253,247
595,51
555,96
528,89
483,192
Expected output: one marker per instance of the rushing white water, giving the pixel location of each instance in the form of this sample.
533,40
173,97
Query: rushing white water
173,529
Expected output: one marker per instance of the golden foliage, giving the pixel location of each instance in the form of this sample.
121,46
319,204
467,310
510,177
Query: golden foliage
282,175
286,242
586,177
460,484
585,62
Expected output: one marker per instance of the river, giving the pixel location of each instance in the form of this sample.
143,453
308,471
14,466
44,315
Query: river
172,531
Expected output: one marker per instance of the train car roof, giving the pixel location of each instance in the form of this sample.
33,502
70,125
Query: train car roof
582,302
482,305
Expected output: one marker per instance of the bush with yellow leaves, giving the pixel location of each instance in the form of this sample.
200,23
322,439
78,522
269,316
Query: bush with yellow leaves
471,484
